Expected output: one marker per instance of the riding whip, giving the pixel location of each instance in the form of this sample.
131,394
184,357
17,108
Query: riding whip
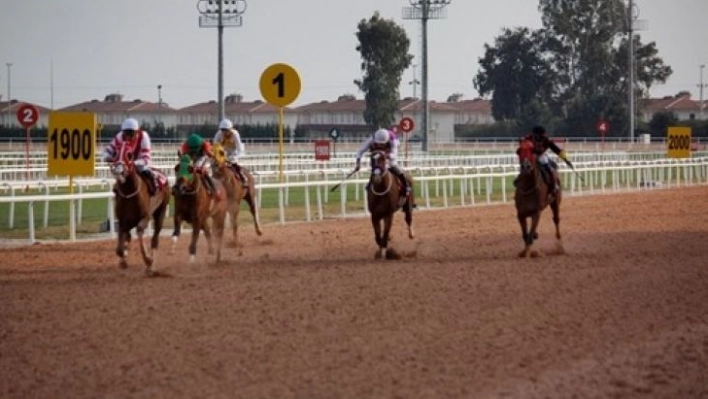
574,171
336,186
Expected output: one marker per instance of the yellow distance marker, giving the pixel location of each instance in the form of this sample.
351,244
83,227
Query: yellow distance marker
280,85
678,142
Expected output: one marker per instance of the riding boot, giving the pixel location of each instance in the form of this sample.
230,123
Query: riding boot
212,188
150,178
244,181
550,179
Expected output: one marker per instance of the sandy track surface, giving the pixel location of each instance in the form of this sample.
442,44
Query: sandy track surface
306,312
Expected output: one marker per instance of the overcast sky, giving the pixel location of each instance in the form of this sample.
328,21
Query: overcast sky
95,47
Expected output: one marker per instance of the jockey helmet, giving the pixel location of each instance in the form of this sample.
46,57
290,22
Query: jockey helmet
194,142
130,124
225,124
381,136
538,131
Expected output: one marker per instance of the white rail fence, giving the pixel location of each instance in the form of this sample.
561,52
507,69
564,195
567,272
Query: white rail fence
435,188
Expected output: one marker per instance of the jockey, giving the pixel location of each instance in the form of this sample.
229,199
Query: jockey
230,139
199,150
385,140
136,143
541,144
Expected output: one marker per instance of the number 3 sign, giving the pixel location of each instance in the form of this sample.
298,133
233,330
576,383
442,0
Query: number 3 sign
27,115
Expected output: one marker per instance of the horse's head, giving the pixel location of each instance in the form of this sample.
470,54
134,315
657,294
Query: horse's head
123,166
527,157
184,172
378,165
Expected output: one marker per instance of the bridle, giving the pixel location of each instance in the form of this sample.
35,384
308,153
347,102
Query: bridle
377,171
121,172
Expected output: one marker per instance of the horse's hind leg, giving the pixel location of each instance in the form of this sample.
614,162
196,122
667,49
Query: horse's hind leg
409,221
555,207
251,200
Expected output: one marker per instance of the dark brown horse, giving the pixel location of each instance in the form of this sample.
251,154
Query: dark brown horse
532,197
196,206
134,207
235,191
384,199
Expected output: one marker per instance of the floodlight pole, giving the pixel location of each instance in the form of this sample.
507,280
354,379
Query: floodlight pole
9,96
701,86
425,10
630,87
159,108
214,14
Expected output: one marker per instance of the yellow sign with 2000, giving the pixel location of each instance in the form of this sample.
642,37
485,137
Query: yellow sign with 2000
678,142
71,142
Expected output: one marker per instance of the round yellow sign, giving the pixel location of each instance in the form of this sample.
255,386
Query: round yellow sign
280,84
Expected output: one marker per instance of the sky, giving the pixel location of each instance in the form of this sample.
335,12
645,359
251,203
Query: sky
64,52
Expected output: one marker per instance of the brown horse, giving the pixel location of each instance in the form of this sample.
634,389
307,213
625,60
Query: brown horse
196,206
532,197
384,199
134,207
235,191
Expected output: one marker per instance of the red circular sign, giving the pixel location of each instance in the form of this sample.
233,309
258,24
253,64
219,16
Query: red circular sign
406,124
602,127
27,115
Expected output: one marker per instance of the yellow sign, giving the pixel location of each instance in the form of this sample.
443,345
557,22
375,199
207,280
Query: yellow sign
678,142
71,142
280,84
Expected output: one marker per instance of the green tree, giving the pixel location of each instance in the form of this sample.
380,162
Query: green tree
383,46
577,63
515,71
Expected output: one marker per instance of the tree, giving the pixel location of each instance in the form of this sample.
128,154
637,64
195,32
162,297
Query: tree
516,73
576,64
384,51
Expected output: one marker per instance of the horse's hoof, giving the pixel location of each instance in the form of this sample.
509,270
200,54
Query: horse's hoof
378,255
535,235
522,254
535,254
192,258
259,232
123,264
391,254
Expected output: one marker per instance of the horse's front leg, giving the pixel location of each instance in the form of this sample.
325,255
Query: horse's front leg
206,227
176,231
120,249
389,253
196,227
381,250
233,217
533,234
525,236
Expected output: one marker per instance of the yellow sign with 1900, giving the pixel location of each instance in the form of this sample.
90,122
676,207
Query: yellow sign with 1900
678,142
71,142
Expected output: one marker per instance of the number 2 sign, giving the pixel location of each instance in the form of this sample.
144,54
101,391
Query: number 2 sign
27,115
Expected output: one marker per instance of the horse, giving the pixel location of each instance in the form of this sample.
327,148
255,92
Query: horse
384,199
194,205
235,192
134,207
531,198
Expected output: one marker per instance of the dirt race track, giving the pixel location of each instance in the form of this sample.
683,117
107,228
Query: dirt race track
305,311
